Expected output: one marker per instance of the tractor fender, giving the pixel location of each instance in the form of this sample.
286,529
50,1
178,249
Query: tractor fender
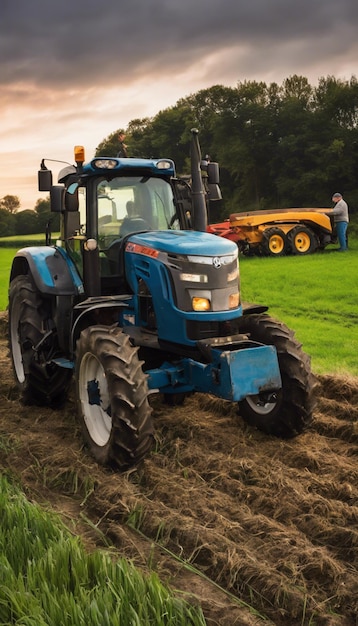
51,269
249,309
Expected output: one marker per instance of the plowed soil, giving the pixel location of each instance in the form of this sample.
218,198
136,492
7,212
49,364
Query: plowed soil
254,529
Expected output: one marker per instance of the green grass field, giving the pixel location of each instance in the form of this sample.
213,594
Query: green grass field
315,295
6,257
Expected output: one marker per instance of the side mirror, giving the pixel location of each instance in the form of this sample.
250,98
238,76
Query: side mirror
214,192
57,198
213,173
44,180
71,201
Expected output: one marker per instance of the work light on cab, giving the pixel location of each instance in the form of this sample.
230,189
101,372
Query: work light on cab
165,165
105,164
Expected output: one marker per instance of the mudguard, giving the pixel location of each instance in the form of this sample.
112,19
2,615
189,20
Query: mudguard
51,269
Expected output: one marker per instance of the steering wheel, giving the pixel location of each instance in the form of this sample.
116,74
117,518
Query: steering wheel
134,224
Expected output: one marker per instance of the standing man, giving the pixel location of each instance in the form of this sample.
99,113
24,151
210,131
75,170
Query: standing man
341,219
122,152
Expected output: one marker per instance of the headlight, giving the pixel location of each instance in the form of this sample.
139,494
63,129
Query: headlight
234,274
194,278
234,300
200,304
209,260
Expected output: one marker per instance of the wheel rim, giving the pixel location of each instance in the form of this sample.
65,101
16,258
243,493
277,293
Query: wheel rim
302,242
16,351
262,404
276,244
94,396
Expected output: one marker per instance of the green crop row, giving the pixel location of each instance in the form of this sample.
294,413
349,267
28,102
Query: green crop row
47,578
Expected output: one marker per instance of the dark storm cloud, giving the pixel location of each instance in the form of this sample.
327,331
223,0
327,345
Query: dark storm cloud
72,71
84,42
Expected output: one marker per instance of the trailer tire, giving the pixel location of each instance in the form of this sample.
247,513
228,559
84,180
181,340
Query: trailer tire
302,240
274,242
32,344
112,397
288,412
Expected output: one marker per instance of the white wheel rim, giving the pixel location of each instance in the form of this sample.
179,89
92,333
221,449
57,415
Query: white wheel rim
97,420
15,345
259,406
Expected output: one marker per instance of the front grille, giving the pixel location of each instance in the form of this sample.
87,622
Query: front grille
206,330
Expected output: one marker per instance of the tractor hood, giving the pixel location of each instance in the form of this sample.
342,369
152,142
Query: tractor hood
184,242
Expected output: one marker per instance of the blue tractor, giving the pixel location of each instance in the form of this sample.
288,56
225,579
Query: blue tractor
135,297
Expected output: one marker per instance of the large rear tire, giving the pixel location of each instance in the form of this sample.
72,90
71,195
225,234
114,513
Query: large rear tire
112,397
289,411
33,345
274,242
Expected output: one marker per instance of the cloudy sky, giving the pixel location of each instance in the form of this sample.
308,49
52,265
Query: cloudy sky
73,71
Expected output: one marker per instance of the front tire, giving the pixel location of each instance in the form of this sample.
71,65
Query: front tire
112,397
289,411
33,345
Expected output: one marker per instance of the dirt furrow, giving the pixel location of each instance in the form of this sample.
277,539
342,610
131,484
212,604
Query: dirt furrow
272,523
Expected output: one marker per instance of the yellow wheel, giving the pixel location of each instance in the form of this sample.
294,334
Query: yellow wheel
302,240
274,242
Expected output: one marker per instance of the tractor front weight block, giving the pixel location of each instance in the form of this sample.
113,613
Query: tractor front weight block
231,375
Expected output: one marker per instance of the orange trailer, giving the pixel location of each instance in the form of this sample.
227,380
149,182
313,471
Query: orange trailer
278,232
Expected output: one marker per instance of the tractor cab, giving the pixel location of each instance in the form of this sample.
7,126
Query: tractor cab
104,202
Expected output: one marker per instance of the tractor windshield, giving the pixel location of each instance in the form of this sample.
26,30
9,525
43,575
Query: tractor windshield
116,207
133,204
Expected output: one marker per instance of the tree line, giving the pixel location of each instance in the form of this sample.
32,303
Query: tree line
16,222
288,145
